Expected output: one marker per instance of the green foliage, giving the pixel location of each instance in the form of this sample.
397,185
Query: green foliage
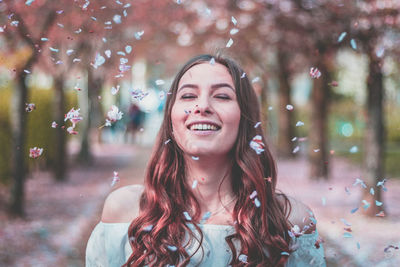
5,135
39,131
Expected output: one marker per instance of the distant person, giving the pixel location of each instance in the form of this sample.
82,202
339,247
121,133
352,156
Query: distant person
136,119
209,197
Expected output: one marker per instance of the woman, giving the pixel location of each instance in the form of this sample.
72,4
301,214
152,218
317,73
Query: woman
209,197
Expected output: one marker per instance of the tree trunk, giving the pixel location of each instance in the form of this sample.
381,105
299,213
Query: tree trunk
60,165
374,134
85,155
286,127
318,134
18,122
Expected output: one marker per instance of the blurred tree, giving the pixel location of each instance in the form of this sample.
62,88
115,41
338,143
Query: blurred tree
22,24
375,26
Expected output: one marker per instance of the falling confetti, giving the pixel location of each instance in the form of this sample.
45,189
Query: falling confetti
315,73
243,75
233,31
35,152
382,184
353,210
99,60
353,44
289,107
342,36
345,222
115,179
195,158
387,249
113,115
166,142
296,149
229,43
380,214
284,253
257,202
366,204
234,21
353,149
194,185
29,2
53,49
187,216
334,84
299,123
257,124
148,228
114,90
117,19
29,107
372,191
347,190
107,53
253,195
138,94
172,248
53,124
243,258
14,23
380,51
347,235
361,182
206,216
257,144
138,35
160,82
378,203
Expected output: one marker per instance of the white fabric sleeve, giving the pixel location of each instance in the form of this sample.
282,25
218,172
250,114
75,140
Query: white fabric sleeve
307,253
95,249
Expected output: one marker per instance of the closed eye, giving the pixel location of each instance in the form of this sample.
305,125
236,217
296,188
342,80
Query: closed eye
223,96
188,96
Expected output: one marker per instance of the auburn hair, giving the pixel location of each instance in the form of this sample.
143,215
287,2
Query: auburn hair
167,194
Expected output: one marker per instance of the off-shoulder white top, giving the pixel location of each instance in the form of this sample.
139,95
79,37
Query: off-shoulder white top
108,246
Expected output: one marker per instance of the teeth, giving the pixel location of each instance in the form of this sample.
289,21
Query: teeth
203,127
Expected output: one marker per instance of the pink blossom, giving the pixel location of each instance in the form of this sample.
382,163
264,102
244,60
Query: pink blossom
35,152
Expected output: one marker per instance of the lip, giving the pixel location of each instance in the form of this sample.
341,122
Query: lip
203,133
203,122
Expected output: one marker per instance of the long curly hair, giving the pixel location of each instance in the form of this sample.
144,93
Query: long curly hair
167,195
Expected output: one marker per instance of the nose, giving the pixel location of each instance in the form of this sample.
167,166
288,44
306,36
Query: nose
203,107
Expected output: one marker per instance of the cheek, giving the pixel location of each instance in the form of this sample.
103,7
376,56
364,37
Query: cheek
177,118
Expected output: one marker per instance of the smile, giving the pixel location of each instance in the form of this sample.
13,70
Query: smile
203,127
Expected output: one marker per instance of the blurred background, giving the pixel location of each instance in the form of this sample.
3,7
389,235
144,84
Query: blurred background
327,76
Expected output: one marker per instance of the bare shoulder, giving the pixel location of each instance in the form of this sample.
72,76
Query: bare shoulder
300,214
122,205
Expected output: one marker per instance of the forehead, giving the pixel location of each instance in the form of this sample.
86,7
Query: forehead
207,73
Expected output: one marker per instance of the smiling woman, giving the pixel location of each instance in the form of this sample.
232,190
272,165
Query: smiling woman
209,197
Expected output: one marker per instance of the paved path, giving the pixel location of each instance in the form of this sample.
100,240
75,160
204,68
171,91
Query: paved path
332,207
60,217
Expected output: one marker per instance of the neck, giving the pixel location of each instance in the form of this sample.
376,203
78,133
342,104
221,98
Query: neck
209,173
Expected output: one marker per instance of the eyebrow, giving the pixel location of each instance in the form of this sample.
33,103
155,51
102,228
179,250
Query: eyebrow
213,87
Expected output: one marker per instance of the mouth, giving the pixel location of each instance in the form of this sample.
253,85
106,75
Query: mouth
203,127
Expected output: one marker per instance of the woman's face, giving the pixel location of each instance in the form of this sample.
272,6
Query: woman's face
206,115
